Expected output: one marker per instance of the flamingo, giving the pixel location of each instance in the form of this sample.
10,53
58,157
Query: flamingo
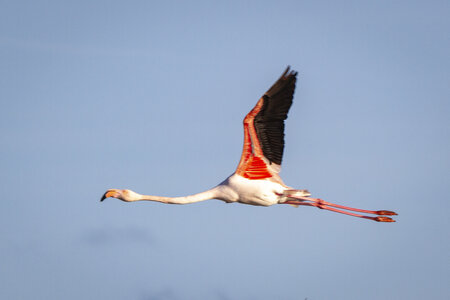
256,180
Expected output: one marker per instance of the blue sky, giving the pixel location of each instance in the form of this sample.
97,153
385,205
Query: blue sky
150,96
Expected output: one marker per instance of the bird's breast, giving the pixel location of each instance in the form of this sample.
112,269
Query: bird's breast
254,192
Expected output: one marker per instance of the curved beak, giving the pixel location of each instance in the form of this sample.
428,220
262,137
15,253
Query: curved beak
110,193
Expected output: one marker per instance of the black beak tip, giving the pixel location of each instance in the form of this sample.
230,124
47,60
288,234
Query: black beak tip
103,197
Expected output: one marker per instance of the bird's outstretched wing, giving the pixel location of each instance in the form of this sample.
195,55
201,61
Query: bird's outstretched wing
264,130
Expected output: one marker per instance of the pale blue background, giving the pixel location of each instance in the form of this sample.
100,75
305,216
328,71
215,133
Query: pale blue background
150,95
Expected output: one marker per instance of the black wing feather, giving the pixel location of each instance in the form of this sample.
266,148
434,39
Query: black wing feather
269,122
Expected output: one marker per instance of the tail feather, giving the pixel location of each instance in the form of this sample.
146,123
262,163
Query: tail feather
301,193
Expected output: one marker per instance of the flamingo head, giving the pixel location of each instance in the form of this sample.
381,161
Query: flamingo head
124,195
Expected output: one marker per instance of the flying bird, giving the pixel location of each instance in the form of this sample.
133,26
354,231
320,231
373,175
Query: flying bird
256,180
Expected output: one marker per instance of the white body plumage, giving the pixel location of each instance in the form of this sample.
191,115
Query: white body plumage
262,192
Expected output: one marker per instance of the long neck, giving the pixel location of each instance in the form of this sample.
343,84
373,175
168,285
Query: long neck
206,195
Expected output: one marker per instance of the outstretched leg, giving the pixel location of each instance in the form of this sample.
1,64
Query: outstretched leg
296,199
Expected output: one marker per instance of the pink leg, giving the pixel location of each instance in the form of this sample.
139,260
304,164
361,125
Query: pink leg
322,202
326,205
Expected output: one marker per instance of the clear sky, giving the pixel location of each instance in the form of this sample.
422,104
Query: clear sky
150,95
